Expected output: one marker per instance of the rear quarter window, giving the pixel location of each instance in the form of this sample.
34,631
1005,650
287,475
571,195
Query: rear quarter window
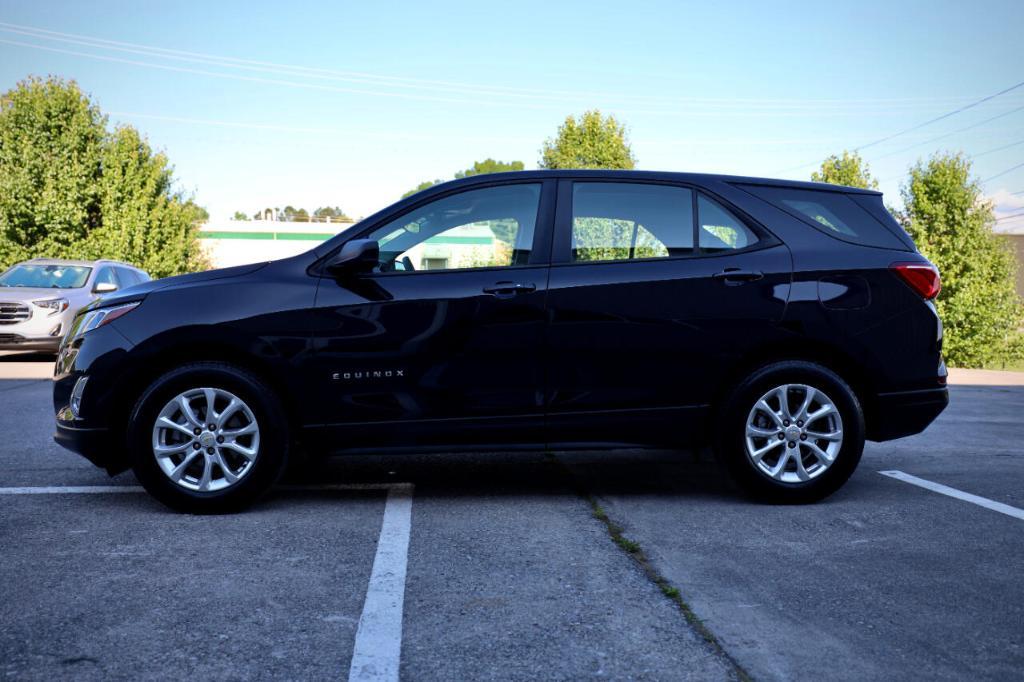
834,213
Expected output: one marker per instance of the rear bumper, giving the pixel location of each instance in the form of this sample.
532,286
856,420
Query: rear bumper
906,412
96,445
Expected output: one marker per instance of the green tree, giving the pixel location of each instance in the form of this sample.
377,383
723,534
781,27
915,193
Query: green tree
292,214
426,184
951,222
239,216
590,141
849,169
334,213
51,141
489,165
70,188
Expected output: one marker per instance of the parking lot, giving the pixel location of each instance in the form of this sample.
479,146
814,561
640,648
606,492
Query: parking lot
508,571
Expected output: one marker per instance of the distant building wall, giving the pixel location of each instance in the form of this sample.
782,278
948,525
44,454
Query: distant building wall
239,242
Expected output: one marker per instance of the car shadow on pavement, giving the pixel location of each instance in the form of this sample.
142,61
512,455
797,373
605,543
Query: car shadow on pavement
620,472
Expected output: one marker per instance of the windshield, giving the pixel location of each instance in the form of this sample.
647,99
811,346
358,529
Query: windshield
46,276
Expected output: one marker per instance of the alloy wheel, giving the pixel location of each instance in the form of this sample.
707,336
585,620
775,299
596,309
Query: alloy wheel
206,439
794,433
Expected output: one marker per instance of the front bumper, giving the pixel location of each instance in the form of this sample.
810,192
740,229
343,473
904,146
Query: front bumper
906,412
9,341
96,445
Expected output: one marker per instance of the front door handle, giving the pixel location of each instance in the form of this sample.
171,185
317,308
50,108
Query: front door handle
509,289
737,276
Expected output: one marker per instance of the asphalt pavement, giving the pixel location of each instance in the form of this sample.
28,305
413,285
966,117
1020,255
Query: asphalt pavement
510,575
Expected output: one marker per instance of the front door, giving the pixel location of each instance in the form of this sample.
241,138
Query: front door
442,341
656,290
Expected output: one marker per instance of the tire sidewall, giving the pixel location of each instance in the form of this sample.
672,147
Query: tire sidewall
273,450
733,421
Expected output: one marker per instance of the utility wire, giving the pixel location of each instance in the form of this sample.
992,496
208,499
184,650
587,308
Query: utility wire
945,135
434,85
998,149
999,175
1007,217
938,118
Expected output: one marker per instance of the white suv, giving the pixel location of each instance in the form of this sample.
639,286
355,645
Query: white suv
40,298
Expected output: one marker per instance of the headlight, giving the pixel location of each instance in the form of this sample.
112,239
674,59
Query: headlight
54,305
101,316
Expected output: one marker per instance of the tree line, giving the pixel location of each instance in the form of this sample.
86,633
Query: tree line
73,187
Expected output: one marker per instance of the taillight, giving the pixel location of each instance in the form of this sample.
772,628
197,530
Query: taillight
921,277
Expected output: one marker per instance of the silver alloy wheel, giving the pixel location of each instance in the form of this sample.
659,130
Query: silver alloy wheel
794,445
206,439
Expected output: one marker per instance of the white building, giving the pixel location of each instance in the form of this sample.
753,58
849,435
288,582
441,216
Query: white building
238,242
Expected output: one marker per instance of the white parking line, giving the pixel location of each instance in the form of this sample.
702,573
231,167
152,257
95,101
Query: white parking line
378,648
958,494
72,490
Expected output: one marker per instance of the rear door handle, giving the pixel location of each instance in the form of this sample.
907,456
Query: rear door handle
509,289
736,276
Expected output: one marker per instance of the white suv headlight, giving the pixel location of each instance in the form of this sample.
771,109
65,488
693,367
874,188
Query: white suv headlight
54,305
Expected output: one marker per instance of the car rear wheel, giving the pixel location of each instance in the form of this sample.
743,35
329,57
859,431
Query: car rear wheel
208,438
792,432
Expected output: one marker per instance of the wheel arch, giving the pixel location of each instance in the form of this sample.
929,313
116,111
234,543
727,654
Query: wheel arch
845,366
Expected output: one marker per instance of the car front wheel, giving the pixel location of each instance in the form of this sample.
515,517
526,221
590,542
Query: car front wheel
208,438
792,432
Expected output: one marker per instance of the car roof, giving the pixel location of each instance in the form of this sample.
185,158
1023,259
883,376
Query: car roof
693,178
85,263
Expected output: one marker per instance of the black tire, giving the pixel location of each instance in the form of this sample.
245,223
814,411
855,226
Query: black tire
731,446
272,453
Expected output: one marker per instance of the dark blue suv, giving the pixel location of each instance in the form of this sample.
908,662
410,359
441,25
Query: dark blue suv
781,322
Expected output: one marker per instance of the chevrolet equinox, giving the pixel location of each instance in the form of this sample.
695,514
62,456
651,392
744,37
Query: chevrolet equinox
782,323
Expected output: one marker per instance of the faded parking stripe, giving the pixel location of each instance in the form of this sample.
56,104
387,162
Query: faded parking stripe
958,494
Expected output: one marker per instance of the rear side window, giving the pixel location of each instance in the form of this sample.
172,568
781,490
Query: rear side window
628,221
834,213
720,230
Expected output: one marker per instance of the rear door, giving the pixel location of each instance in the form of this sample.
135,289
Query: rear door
656,291
445,337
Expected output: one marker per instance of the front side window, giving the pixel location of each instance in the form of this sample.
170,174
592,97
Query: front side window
627,221
720,230
489,227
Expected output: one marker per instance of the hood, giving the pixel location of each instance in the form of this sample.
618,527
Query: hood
140,291
29,294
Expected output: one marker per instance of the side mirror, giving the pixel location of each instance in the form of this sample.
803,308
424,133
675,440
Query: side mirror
356,256
104,288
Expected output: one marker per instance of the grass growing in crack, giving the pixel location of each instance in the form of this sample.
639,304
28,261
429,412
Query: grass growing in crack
636,552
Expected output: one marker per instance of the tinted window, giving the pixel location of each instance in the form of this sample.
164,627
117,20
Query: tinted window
720,230
46,276
623,221
490,227
105,276
127,277
833,213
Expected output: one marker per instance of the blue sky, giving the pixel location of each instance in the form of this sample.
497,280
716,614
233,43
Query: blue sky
353,103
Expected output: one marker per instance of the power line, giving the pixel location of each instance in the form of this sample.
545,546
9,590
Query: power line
998,149
1007,217
416,83
945,135
938,118
999,175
